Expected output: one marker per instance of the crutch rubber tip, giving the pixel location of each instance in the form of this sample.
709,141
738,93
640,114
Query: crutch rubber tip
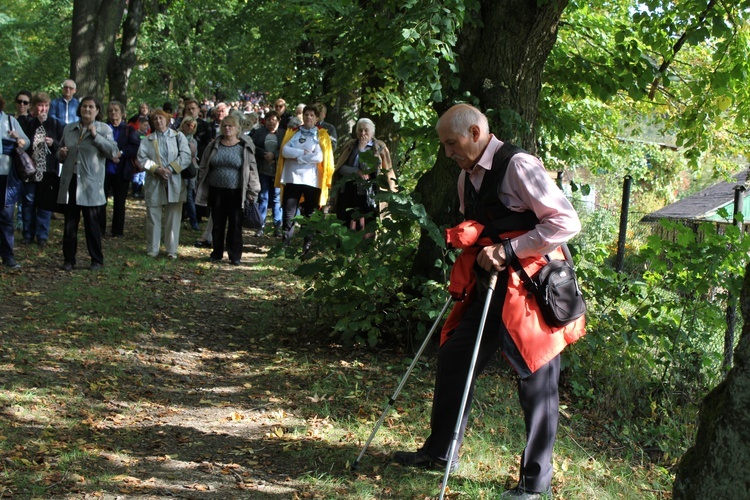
354,466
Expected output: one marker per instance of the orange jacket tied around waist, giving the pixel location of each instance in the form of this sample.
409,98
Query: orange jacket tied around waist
536,341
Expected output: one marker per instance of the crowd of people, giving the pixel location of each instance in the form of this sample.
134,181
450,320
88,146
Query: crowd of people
222,156
196,162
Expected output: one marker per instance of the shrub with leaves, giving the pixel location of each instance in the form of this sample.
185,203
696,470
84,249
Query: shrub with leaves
656,337
362,285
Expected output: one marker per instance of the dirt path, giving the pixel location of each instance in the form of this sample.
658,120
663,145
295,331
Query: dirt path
157,379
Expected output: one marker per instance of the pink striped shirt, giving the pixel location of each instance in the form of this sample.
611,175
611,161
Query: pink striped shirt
527,186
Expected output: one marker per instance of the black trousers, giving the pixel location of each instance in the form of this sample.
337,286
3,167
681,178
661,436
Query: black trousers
537,392
226,210
118,188
91,226
291,202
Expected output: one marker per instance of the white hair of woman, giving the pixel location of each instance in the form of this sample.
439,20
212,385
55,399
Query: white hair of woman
366,122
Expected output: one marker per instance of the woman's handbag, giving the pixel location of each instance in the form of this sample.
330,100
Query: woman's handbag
189,172
251,218
556,290
22,163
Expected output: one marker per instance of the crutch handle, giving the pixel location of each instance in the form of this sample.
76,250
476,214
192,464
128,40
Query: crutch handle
493,279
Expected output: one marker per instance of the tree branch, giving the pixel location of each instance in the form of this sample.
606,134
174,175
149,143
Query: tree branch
677,46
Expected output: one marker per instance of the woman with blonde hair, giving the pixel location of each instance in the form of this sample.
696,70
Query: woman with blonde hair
228,178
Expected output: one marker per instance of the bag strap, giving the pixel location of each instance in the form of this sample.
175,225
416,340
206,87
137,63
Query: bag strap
528,281
156,150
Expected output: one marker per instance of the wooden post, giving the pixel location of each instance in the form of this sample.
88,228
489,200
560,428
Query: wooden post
626,185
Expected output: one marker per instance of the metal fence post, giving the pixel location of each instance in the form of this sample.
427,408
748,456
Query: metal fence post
623,222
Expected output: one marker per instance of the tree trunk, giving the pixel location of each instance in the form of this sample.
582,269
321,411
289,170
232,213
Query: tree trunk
95,27
500,59
121,66
717,466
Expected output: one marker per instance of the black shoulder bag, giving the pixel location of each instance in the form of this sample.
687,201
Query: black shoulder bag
555,288
189,172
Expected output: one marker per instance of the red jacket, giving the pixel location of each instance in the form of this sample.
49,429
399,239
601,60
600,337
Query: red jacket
536,341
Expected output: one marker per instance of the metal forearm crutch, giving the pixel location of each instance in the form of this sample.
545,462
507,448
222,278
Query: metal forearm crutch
392,399
465,398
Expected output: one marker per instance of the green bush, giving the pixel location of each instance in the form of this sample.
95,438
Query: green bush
655,338
362,285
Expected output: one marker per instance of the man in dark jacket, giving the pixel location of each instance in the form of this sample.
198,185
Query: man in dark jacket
202,134
120,170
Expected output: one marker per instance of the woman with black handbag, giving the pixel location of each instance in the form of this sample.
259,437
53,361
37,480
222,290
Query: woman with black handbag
10,185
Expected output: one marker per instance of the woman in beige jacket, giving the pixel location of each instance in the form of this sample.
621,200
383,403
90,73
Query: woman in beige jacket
163,155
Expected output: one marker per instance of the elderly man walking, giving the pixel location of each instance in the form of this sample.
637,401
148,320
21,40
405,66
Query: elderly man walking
507,191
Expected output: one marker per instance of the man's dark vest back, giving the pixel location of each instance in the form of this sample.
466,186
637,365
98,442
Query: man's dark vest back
485,206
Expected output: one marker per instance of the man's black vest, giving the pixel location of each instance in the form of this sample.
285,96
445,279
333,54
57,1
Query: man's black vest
485,206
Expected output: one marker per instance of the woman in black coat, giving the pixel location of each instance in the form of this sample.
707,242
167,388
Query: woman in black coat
120,170
40,192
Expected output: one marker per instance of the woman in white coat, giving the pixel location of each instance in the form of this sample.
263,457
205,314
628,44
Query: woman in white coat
163,155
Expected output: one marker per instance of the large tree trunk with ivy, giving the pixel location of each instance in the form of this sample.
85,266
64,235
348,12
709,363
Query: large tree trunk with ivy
501,57
120,66
96,24
717,466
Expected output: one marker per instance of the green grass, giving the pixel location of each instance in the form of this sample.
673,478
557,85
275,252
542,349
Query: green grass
157,378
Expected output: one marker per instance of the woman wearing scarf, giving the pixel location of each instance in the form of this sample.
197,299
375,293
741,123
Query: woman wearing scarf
40,192
163,155
305,170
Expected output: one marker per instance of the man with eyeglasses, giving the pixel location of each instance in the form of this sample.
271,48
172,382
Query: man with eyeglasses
64,108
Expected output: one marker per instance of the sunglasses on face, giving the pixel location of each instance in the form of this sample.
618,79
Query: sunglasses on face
19,101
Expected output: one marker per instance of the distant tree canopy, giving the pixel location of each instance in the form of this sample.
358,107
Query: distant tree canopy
615,68
568,80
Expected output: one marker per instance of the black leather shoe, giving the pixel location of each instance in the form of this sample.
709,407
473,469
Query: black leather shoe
203,244
66,267
235,262
11,263
95,266
422,460
520,494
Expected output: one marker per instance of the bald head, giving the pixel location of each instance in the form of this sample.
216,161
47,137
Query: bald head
464,133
